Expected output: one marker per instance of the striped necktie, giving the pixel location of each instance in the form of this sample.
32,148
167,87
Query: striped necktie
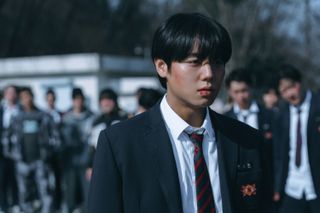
205,200
299,140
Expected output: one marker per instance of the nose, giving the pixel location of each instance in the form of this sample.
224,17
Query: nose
207,71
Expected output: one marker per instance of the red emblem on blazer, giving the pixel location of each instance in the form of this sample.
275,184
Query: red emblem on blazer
268,135
248,190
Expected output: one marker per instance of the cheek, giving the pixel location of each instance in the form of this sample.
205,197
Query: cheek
180,79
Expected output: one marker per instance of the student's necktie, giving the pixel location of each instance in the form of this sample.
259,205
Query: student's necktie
205,200
299,140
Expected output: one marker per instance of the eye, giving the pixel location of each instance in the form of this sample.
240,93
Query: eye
194,61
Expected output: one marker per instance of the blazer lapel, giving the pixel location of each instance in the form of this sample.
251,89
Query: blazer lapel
225,188
311,117
227,162
165,168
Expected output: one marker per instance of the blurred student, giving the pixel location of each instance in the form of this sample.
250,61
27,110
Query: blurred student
297,139
8,186
56,160
148,98
32,138
270,98
110,114
76,131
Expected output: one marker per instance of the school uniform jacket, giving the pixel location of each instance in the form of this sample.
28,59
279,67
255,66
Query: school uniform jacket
282,144
135,170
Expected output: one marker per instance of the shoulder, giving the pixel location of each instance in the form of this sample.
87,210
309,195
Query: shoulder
134,125
126,137
229,112
236,131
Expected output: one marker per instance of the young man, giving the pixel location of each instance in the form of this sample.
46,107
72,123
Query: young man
297,158
32,139
8,185
155,162
76,129
55,161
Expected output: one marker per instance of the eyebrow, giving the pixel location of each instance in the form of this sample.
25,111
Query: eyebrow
194,55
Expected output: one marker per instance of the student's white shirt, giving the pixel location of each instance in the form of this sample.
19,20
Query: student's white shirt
299,180
183,150
251,114
8,113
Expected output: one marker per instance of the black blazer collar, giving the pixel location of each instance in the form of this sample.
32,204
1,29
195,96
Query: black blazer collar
163,157
165,165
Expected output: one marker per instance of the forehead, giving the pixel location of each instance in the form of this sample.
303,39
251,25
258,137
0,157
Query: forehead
10,89
25,93
285,83
238,85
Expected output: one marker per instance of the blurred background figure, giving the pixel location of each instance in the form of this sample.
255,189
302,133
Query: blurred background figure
109,108
8,185
51,107
55,161
32,137
297,136
147,98
246,109
110,113
270,98
76,131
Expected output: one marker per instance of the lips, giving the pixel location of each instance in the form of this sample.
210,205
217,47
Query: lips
209,89
205,91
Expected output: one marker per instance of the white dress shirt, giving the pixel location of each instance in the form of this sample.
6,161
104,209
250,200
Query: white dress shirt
183,150
299,180
8,113
251,114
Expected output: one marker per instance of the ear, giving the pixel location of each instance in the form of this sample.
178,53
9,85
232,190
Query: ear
162,67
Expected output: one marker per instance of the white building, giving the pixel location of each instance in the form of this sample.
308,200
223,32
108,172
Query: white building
91,72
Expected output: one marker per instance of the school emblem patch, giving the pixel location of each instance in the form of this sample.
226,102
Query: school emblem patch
248,190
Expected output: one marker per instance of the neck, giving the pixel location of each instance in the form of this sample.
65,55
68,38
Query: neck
303,95
11,104
244,106
194,117
28,108
300,98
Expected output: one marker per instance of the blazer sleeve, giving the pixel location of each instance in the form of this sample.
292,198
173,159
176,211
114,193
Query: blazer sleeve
105,193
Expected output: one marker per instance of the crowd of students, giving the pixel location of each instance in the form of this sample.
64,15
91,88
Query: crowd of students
46,156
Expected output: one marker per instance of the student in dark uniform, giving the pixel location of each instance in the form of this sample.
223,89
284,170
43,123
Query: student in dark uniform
297,139
8,185
180,156
32,134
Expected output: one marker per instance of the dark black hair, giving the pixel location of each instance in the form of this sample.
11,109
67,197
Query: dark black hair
149,97
26,89
108,94
239,75
175,39
287,71
77,92
51,92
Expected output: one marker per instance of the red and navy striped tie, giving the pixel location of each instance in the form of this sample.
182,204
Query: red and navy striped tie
205,200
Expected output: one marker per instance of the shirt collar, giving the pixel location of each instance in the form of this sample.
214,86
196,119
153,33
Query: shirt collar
6,106
305,104
252,109
177,125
